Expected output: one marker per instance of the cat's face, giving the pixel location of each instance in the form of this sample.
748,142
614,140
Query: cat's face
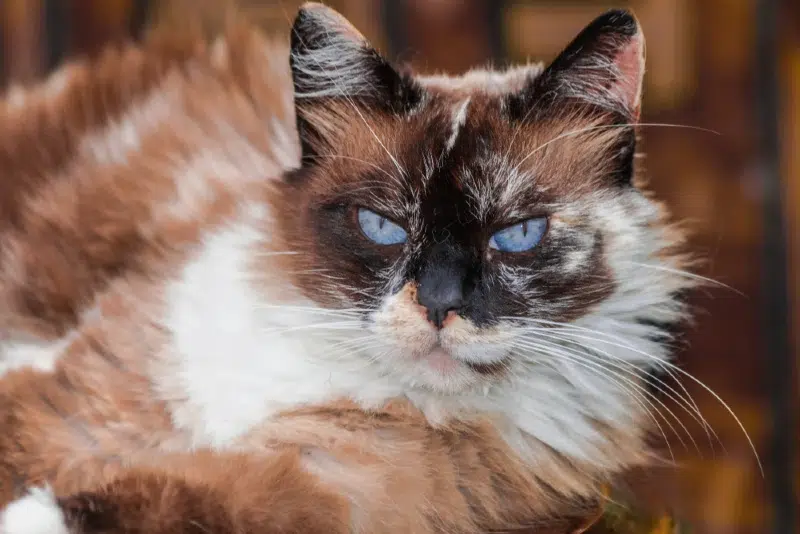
455,215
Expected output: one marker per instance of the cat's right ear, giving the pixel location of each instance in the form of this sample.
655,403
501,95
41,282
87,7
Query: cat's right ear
602,67
336,71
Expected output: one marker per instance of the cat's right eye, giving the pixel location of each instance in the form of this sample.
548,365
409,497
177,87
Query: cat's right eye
379,229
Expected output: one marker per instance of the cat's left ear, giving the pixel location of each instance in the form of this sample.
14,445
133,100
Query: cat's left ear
332,63
603,66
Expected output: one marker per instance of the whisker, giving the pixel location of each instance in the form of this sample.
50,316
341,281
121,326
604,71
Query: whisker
661,365
313,309
686,274
689,407
277,253
690,377
350,345
603,366
635,396
609,127
340,325
659,362
561,327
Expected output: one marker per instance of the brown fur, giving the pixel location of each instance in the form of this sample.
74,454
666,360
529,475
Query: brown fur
87,238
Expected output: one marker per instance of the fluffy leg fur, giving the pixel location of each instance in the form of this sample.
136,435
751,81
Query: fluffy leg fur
334,468
205,492
200,493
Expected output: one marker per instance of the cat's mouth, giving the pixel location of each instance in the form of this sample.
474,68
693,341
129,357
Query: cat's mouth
454,357
441,360
444,362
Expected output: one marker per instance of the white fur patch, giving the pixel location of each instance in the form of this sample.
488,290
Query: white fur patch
484,81
240,357
39,355
459,118
112,144
36,513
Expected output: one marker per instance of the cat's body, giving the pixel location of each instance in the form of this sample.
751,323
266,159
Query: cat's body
191,341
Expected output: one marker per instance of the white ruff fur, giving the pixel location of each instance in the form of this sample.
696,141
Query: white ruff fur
241,355
242,369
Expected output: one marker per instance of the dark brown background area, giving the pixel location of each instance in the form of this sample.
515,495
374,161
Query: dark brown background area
703,71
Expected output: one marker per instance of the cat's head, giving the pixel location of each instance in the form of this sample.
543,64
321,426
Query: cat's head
474,225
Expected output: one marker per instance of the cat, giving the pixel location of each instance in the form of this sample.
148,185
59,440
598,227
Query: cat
252,288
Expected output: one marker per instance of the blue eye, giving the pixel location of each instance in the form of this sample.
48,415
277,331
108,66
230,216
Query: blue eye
380,229
520,237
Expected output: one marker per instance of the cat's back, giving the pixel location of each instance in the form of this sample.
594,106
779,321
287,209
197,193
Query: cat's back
118,165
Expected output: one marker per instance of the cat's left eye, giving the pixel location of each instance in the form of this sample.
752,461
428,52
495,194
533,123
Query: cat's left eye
519,237
379,229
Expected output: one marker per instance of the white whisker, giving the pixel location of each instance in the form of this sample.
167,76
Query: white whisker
689,407
684,373
562,351
564,328
637,397
685,274
608,127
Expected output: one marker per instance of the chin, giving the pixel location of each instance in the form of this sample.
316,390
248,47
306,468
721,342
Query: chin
459,380
444,371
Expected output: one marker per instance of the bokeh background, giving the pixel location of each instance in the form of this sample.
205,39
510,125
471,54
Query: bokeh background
732,66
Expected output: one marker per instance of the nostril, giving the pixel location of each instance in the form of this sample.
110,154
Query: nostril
439,304
437,317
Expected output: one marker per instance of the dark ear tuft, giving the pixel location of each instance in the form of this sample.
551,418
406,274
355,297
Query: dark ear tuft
331,61
329,57
603,67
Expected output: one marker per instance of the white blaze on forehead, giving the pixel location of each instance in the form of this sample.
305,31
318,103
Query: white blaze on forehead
459,118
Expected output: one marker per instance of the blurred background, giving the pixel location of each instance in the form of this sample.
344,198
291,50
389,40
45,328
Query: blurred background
732,66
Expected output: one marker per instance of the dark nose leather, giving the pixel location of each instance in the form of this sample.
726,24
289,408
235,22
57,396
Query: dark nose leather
440,296
441,289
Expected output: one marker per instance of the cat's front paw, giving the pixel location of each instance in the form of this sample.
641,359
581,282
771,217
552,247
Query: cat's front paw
36,513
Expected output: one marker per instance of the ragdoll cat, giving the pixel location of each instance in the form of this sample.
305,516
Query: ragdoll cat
431,311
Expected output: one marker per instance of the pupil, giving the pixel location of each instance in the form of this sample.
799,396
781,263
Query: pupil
381,222
525,228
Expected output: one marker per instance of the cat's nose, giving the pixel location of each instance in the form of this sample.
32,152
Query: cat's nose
440,292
